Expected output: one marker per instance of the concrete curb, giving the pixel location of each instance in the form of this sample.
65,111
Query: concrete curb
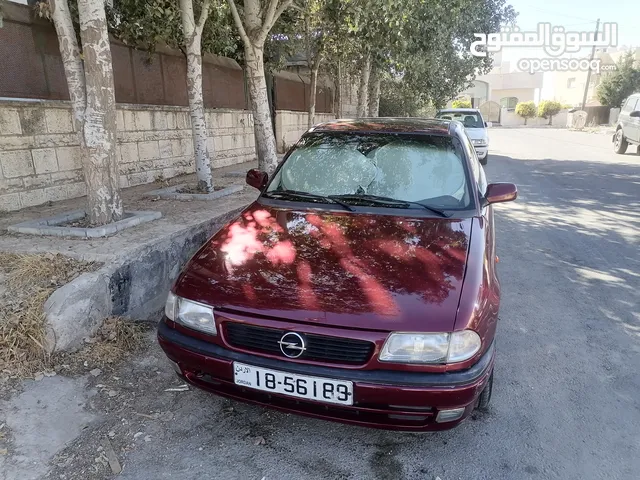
49,225
171,193
134,286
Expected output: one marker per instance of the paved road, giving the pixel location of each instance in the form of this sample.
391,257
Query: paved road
566,397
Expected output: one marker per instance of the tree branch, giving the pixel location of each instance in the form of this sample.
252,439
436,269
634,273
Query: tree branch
272,17
239,25
271,11
204,14
286,4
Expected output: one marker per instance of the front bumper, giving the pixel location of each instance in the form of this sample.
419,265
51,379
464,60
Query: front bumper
482,151
393,400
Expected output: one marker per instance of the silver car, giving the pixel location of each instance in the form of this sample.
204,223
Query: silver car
474,125
628,128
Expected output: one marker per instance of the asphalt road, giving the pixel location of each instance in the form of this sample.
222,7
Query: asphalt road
567,387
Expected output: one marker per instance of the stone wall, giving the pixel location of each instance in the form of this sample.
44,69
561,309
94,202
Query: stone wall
40,158
291,125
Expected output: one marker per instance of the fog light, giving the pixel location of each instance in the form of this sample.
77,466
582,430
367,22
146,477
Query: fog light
449,415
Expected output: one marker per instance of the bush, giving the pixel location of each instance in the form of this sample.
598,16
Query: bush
616,86
461,103
549,108
526,110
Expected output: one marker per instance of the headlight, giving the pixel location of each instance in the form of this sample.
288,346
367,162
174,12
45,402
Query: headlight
430,348
479,143
190,314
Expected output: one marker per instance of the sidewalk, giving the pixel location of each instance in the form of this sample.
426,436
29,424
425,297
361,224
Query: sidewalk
176,216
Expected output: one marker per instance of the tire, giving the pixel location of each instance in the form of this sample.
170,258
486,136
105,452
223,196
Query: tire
485,396
483,161
620,143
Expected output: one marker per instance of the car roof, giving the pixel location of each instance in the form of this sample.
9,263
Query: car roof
432,126
459,110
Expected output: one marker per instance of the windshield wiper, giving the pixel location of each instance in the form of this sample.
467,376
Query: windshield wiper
307,195
380,200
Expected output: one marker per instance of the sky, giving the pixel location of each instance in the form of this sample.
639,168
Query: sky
576,15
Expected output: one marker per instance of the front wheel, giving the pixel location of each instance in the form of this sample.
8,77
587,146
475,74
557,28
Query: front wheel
620,143
483,161
485,396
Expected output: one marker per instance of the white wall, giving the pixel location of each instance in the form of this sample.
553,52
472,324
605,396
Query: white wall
291,125
510,119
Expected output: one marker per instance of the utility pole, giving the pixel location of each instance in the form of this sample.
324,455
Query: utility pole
593,52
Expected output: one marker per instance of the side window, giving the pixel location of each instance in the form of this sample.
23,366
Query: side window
476,168
630,104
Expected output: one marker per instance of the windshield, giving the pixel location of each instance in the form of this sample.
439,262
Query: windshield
468,119
422,169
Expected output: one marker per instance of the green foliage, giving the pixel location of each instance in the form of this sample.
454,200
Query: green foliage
151,23
549,108
566,106
526,110
616,86
461,103
435,58
397,100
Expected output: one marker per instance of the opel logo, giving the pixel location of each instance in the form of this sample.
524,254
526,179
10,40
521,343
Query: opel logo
292,345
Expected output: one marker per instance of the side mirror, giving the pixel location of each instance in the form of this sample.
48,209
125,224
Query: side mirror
500,192
635,114
488,124
257,178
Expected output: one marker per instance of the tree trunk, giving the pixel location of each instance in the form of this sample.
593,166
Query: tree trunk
338,93
192,39
312,91
100,163
73,68
363,102
374,95
265,138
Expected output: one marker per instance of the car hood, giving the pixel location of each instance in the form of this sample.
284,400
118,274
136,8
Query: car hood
353,270
477,133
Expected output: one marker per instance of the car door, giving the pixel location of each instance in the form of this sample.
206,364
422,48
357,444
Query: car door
634,122
629,127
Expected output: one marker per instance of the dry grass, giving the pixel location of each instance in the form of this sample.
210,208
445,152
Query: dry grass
26,281
116,338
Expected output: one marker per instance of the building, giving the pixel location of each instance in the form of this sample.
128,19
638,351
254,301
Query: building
568,87
505,85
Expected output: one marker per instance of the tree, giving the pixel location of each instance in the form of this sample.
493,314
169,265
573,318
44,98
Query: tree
549,108
317,29
91,90
398,100
461,103
254,22
147,24
192,33
616,86
526,110
433,54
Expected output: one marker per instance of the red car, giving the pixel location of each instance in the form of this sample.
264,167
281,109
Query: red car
360,286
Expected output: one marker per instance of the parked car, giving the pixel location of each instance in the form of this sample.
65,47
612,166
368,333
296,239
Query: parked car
360,286
474,125
628,127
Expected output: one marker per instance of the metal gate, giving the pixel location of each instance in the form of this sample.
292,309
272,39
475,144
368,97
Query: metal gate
490,112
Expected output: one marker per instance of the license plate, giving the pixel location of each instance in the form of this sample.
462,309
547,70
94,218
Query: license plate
290,384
